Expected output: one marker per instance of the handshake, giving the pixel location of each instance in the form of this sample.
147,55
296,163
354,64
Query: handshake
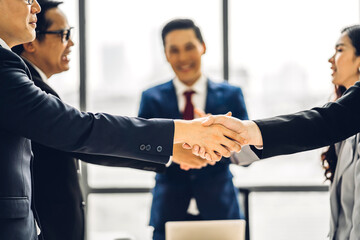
207,139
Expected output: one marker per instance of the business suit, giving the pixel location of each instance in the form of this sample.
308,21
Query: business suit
176,185
57,194
29,113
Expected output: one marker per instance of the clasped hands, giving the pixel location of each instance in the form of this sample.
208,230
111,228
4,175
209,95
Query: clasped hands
207,139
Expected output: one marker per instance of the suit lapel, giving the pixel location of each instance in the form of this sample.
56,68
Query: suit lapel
213,98
171,103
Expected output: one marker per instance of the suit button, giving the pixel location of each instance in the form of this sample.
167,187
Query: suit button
83,204
148,147
142,147
159,149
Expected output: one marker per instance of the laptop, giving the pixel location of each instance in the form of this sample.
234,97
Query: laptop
206,230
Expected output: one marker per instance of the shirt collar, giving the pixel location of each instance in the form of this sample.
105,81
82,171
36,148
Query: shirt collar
199,86
4,45
41,73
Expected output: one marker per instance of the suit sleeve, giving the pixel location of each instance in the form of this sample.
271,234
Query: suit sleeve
119,162
313,128
29,112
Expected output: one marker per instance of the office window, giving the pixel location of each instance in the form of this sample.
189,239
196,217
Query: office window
125,56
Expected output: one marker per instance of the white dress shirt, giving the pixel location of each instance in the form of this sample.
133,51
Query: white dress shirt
199,101
4,44
198,98
41,73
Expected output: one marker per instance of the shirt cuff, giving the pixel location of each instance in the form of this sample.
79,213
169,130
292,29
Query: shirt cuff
169,162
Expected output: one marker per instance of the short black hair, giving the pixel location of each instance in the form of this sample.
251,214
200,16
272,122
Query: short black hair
181,23
42,23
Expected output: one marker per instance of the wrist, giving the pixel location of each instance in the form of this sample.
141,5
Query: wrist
255,134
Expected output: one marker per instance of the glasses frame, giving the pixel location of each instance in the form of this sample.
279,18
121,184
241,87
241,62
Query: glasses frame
64,37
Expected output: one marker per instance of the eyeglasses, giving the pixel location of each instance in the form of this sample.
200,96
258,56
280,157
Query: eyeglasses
64,33
29,2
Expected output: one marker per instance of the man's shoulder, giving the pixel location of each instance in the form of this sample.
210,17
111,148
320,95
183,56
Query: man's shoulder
9,59
159,88
223,85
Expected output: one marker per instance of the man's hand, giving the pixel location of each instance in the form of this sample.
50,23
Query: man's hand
186,159
216,139
248,130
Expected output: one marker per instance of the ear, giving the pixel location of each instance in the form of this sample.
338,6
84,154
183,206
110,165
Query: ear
29,47
204,47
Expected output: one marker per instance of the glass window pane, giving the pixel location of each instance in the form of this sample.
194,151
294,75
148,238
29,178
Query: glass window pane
126,56
279,53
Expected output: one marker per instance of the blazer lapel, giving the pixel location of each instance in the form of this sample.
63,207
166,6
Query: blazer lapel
171,103
213,98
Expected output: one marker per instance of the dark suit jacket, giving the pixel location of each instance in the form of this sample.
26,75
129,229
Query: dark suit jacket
57,192
29,113
161,101
313,128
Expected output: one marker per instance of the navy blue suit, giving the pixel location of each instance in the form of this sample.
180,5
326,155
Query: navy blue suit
212,186
27,113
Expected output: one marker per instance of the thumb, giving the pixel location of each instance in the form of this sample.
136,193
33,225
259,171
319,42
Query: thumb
208,121
229,114
186,146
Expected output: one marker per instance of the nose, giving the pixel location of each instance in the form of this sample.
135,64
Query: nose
331,59
70,43
35,7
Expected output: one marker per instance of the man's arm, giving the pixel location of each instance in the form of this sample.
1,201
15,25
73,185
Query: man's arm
29,112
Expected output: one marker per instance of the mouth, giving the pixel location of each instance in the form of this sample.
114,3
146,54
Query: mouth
333,71
65,57
185,67
33,22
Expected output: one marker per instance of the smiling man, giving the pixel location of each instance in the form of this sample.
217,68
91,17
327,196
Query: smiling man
211,188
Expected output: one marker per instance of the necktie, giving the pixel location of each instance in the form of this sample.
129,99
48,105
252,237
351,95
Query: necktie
188,113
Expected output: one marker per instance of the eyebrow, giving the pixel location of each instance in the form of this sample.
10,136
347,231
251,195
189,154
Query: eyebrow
339,45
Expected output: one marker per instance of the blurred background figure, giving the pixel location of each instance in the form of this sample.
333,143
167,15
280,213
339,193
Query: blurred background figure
210,190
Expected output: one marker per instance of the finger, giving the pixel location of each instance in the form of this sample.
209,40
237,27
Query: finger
213,156
241,138
230,145
195,150
202,152
186,146
199,113
184,167
222,151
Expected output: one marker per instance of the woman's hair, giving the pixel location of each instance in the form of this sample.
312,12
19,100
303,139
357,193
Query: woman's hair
354,34
329,157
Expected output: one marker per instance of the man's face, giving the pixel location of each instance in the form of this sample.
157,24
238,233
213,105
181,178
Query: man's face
183,51
18,21
51,53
